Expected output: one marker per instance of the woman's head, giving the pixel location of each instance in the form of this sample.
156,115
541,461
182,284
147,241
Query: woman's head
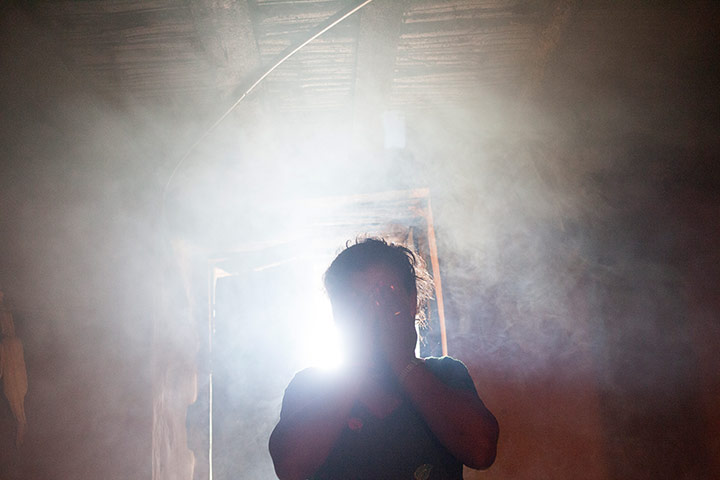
366,260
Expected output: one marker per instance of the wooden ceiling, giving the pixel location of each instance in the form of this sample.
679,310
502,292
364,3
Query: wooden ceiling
400,53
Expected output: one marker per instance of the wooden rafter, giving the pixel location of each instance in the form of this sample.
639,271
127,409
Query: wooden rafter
380,27
547,44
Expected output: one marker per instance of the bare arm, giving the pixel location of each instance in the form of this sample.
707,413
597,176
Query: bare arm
458,418
308,428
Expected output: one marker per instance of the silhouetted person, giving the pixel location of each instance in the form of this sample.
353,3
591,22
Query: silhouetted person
385,414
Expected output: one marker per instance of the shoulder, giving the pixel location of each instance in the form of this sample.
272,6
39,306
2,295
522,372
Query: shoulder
309,379
308,375
445,363
305,385
451,371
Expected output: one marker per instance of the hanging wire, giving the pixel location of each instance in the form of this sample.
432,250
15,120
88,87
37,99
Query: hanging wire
282,58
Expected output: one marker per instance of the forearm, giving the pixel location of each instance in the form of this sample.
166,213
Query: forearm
458,418
302,440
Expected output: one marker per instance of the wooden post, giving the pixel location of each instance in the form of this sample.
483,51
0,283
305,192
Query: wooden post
436,276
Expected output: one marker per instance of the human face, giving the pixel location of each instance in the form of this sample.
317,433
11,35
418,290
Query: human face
373,294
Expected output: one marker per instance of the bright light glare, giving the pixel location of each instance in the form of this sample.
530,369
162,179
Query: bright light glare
321,342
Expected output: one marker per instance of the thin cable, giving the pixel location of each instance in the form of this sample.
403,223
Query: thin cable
292,50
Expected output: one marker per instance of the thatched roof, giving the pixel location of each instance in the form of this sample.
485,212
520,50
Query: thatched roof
437,51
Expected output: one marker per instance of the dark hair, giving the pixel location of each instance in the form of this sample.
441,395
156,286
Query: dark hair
373,251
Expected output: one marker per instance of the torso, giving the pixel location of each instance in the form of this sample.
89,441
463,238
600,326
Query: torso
386,439
398,446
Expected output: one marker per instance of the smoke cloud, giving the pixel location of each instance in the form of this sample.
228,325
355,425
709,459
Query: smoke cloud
564,228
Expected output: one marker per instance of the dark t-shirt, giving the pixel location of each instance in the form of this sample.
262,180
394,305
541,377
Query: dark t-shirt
399,446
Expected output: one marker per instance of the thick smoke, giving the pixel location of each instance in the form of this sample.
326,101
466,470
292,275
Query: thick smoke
565,231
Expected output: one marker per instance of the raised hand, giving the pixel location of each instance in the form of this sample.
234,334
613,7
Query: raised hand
394,324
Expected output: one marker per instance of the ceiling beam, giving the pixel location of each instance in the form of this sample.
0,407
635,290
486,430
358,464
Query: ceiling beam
547,44
226,35
548,41
379,34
